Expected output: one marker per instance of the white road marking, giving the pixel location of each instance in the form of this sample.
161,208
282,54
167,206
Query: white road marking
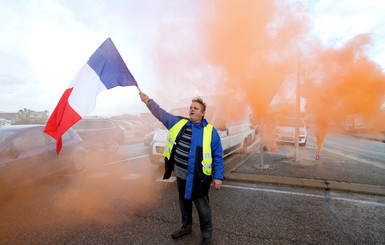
99,175
131,176
125,160
355,149
304,194
375,164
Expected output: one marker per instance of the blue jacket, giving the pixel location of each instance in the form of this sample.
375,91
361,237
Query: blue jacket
170,120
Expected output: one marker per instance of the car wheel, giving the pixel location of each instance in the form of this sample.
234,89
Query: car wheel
111,146
249,140
243,150
79,162
155,160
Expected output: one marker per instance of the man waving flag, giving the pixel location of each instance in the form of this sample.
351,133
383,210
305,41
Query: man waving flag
104,70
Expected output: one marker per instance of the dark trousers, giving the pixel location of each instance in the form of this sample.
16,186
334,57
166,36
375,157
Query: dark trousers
203,206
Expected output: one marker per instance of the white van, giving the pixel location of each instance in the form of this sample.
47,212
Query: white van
235,137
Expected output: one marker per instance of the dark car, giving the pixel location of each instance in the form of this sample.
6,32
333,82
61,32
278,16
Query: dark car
28,154
100,133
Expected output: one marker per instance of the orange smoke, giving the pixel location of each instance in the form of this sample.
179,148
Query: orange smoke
344,82
250,49
254,48
87,197
256,45
322,127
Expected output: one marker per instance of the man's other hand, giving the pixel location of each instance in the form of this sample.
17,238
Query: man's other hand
217,183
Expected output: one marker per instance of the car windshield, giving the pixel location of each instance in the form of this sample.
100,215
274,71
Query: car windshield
289,122
5,134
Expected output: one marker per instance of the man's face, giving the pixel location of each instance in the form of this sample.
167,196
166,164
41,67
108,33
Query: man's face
196,113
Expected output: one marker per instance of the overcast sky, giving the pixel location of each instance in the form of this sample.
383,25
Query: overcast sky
44,43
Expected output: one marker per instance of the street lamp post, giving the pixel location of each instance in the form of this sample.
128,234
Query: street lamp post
262,164
297,109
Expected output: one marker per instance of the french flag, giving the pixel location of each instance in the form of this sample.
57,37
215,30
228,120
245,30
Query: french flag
104,70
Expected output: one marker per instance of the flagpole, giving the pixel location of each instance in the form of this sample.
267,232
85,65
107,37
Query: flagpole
140,91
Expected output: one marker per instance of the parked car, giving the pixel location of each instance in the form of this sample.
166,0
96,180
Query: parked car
148,138
5,122
28,154
100,133
133,131
285,131
235,136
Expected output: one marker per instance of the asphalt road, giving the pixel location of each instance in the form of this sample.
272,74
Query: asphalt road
120,200
346,164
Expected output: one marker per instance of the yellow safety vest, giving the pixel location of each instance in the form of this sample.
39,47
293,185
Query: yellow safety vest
207,136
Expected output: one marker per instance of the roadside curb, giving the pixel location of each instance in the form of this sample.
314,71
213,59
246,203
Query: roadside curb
357,188
307,183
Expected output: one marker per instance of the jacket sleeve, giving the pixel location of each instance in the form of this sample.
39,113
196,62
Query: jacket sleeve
217,155
163,116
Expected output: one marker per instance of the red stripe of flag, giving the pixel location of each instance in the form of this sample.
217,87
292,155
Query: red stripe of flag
62,118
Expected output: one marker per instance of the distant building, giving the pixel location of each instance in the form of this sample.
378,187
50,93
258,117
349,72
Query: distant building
26,116
357,123
12,116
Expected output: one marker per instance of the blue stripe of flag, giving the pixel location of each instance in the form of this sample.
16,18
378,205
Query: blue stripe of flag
110,67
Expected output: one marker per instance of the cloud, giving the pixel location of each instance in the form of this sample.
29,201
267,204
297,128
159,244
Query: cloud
36,40
336,22
44,43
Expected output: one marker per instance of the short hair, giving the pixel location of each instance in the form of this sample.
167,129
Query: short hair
200,101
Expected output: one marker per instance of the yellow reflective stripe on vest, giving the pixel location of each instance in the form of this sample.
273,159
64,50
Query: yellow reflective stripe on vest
207,136
207,159
172,134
